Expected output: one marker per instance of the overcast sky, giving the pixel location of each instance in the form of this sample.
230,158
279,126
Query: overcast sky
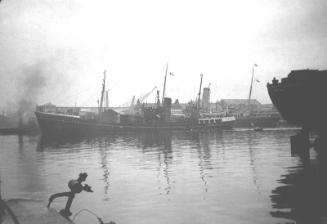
56,50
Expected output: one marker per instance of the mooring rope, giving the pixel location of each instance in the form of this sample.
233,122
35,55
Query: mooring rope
89,211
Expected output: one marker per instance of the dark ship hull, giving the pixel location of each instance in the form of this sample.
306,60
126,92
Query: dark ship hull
70,125
301,99
254,121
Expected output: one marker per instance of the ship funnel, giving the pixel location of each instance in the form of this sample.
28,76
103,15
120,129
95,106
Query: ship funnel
167,109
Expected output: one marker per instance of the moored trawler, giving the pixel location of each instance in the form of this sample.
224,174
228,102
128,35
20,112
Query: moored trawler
105,120
110,121
300,98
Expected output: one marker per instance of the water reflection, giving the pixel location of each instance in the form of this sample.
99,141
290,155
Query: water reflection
105,167
51,142
303,194
20,142
190,177
161,142
253,165
204,155
18,159
154,139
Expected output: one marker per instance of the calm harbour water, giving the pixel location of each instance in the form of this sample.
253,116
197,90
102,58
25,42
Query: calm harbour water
238,176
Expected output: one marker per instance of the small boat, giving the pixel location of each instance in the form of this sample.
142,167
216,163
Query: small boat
257,129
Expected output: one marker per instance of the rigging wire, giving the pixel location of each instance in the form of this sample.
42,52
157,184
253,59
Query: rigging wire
89,211
11,213
4,206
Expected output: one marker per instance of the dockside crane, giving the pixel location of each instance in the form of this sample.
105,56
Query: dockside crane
145,96
131,107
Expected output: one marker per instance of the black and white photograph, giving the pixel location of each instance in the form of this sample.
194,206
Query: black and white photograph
157,112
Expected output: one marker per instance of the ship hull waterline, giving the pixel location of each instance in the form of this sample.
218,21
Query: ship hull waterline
300,99
300,108
249,122
70,126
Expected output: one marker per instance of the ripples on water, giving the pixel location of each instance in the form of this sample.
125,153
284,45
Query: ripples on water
237,176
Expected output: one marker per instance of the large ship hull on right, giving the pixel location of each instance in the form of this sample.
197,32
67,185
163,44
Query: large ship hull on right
300,98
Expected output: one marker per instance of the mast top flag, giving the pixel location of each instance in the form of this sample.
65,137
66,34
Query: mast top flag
164,87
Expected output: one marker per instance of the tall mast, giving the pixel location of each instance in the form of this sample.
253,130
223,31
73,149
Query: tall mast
103,90
107,98
164,87
249,101
199,94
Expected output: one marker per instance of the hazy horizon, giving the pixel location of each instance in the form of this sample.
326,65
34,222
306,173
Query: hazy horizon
56,51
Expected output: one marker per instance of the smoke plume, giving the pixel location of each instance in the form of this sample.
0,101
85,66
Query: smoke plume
31,86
